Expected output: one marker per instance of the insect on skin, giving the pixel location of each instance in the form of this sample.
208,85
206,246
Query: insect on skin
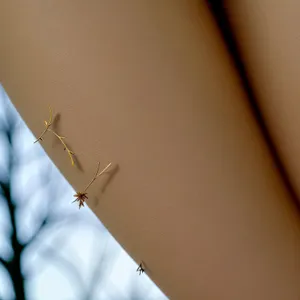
48,128
140,269
81,197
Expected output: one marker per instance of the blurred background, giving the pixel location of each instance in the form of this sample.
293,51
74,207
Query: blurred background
49,249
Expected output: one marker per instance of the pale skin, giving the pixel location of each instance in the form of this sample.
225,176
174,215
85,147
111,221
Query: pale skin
81,197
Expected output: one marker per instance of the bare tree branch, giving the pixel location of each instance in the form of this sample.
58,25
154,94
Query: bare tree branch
4,263
56,219
37,233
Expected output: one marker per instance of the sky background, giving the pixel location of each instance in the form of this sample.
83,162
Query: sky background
86,244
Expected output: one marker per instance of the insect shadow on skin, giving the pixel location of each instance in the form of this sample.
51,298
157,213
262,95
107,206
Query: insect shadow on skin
110,175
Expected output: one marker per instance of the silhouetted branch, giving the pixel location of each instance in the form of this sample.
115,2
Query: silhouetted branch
4,263
13,266
37,232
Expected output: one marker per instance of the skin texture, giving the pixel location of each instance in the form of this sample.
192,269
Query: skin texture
149,86
268,39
